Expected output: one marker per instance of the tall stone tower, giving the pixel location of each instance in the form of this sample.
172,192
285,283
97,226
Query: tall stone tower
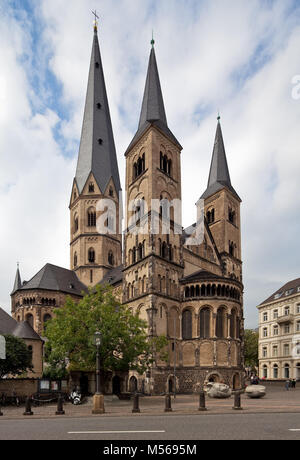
153,257
93,252
222,211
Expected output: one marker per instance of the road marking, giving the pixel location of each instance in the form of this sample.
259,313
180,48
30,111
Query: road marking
294,429
112,432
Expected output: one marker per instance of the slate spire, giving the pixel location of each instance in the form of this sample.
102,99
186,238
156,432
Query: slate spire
219,176
18,282
153,109
97,153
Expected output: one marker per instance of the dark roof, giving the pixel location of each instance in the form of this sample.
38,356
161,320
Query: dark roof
153,109
113,277
219,176
201,275
10,326
23,330
7,323
285,291
96,158
54,278
18,282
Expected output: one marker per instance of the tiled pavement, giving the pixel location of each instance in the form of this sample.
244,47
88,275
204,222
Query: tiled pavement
277,400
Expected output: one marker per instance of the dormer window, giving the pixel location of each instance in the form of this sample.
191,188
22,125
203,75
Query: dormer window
91,188
111,192
231,216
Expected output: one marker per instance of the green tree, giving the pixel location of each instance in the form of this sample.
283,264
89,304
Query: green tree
124,345
18,358
251,348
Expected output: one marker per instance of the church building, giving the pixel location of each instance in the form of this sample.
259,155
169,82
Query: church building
186,288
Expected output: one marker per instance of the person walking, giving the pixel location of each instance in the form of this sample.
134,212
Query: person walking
287,385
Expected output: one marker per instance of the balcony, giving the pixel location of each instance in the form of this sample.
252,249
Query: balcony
285,319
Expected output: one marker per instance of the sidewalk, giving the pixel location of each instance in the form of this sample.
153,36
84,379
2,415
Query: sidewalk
276,401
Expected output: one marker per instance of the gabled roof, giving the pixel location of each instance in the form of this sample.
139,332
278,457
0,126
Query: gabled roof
153,109
113,277
97,153
7,323
54,278
219,176
23,330
287,290
9,326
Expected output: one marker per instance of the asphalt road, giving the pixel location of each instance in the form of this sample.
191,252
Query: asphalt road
236,426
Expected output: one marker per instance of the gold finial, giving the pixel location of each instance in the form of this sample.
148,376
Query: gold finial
96,20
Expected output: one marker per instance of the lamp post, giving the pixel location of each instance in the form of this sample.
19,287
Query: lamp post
98,400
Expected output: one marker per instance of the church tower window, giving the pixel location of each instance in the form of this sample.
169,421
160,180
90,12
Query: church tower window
91,256
91,217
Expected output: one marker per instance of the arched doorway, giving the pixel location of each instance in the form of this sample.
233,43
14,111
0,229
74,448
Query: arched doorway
116,385
214,378
133,384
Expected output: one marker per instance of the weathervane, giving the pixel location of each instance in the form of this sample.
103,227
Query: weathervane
96,19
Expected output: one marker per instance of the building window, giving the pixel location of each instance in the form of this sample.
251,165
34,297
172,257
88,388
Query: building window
75,259
265,332
275,351
287,329
91,188
205,323
264,352
220,323
298,309
265,371
111,192
139,167
298,326
275,371
286,349
91,256
275,314
265,316
165,164
275,330
111,259
286,371
231,216
91,217
30,349
187,325
287,311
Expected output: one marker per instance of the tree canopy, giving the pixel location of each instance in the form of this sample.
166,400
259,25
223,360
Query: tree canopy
18,358
124,340
251,348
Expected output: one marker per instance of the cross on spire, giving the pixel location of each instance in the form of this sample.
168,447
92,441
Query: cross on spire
96,19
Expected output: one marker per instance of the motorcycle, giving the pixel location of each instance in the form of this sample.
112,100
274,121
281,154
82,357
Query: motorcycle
76,397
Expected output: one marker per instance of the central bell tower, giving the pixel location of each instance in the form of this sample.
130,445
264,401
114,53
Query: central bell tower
93,253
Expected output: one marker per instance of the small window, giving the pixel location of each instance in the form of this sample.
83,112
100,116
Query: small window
275,330
99,106
97,65
265,352
100,141
286,311
265,332
91,256
91,188
111,192
265,316
275,314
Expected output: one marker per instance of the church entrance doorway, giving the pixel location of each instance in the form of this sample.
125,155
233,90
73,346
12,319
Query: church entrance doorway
116,385
133,385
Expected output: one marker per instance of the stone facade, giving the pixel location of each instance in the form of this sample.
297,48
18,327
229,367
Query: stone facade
279,334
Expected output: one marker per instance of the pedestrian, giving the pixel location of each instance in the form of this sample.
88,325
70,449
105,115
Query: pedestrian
294,383
287,385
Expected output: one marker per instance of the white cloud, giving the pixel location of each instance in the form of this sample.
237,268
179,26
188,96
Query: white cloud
236,56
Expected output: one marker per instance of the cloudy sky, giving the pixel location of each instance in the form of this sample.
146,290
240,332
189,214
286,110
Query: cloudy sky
236,56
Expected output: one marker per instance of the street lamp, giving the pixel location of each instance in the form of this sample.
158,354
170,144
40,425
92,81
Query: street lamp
98,401
98,343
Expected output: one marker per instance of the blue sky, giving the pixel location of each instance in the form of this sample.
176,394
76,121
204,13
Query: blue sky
235,56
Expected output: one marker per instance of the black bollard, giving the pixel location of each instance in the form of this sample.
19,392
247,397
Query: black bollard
168,404
237,401
28,407
60,406
136,409
202,401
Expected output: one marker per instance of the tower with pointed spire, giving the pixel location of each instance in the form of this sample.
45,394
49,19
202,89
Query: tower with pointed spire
97,177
